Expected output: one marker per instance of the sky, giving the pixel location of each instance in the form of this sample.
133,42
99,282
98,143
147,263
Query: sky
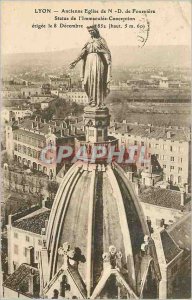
170,25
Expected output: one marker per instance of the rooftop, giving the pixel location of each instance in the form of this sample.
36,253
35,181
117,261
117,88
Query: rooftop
12,88
181,232
19,280
33,222
44,128
165,198
170,248
176,134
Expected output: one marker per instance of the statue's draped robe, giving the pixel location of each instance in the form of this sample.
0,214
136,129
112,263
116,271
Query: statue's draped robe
96,70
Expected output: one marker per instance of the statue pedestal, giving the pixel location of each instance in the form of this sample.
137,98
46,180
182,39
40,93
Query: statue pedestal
97,143
96,120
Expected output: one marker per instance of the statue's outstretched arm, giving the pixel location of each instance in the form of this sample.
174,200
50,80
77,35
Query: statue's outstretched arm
81,56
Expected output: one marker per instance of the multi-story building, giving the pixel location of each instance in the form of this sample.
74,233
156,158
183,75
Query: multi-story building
24,236
163,207
170,146
79,97
63,81
11,91
26,139
46,103
10,113
40,98
31,90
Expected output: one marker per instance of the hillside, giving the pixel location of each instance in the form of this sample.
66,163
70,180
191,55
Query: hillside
159,56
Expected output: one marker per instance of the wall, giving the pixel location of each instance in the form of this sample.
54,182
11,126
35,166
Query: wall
21,242
155,213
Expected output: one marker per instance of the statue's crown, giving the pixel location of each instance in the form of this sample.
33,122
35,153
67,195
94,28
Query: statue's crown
92,27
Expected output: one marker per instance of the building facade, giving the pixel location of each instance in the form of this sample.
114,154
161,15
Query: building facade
24,236
8,114
79,97
170,146
26,140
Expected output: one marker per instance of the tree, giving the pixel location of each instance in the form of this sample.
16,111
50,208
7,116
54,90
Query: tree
52,189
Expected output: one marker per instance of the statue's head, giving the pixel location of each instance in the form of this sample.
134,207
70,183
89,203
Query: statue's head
93,30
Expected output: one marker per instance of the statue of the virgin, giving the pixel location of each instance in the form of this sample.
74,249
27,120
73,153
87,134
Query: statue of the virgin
96,67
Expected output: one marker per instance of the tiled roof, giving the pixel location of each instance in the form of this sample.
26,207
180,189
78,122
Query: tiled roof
12,88
48,100
181,232
180,134
19,280
26,126
33,223
169,247
163,197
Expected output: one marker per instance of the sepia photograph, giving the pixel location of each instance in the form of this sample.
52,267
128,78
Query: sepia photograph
95,149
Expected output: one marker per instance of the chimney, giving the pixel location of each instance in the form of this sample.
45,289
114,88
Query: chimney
30,255
37,127
44,201
168,134
46,224
10,219
127,128
149,128
50,129
115,126
130,176
32,282
33,125
54,129
137,188
186,188
43,231
63,125
36,118
182,197
62,134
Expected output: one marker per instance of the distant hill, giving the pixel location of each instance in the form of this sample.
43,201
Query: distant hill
159,56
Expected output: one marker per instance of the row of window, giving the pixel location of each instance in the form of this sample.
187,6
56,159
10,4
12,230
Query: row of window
155,146
172,158
26,150
173,168
27,238
29,140
25,250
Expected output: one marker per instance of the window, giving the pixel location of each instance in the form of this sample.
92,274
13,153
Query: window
16,249
172,158
142,143
37,255
157,156
27,238
99,132
25,252
171,148
172,167
40,242
91,132
180,169
16,235
135,143
164,166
